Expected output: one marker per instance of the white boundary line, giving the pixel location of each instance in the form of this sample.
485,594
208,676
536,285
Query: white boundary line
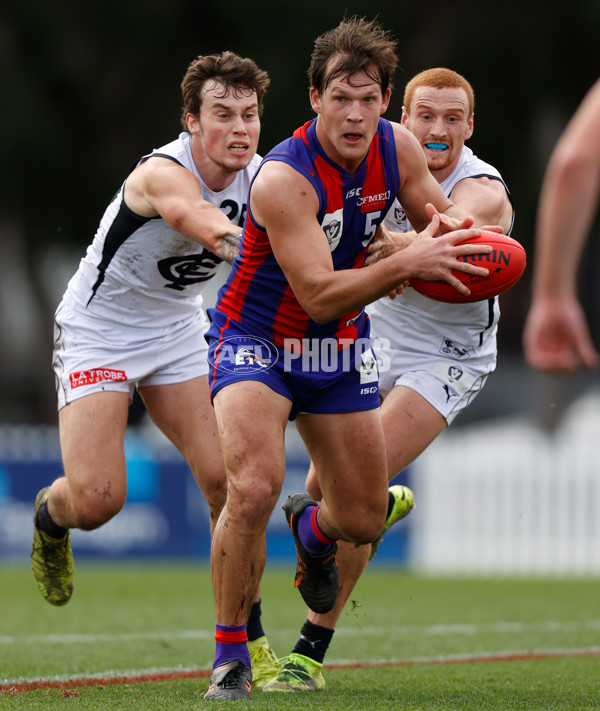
358,631
158,674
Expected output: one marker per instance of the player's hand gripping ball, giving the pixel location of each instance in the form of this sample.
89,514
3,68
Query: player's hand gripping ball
506,264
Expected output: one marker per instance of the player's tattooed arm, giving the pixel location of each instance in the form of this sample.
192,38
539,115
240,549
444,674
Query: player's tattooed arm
229,246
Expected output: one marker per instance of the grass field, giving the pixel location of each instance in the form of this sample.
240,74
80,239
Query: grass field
141,637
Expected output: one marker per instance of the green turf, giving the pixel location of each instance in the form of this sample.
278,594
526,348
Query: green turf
142,619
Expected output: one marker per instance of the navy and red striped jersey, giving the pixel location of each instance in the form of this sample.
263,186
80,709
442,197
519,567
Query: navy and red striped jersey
351,206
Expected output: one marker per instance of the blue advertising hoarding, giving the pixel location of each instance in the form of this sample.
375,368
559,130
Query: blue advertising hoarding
165,515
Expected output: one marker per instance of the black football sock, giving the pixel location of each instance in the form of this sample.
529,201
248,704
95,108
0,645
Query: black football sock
314,641
255,628
46,524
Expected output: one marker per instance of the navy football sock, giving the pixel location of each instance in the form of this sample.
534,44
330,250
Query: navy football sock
315,542
255,628
314,641
46,524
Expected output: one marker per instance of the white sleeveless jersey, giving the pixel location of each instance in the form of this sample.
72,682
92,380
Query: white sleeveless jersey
139,271
470,325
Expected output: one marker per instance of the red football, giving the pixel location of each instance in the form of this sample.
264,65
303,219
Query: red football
506,264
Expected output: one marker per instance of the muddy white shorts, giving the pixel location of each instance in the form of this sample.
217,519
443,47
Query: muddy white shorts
426,354
92,355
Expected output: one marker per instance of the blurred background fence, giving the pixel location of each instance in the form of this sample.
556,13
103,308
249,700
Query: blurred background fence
494,497
509,498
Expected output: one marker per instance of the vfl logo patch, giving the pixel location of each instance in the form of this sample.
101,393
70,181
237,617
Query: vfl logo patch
455,372
185,271
457,380
333,225
399,217
368,367
96,375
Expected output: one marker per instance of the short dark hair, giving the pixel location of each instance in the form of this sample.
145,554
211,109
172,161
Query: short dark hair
357,45
236,73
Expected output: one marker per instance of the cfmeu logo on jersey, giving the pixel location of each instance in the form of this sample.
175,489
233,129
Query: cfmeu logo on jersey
243,354
191,269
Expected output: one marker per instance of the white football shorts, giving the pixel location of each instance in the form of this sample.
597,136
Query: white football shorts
93,355
423,354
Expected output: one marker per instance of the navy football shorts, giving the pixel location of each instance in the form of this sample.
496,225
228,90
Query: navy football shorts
313,374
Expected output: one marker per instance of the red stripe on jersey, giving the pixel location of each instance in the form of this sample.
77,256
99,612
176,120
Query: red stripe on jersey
291,319
374,187
254,243
347,329
300,132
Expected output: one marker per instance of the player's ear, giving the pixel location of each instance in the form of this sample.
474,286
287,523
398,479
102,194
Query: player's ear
193,124
315,100
470,127
386,101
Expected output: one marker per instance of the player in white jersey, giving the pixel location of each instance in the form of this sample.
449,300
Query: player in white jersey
433,357
442,351
157,272
132,316
132,313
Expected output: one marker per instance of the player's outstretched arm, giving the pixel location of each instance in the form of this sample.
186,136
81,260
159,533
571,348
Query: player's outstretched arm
556,335
486,201
161,187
